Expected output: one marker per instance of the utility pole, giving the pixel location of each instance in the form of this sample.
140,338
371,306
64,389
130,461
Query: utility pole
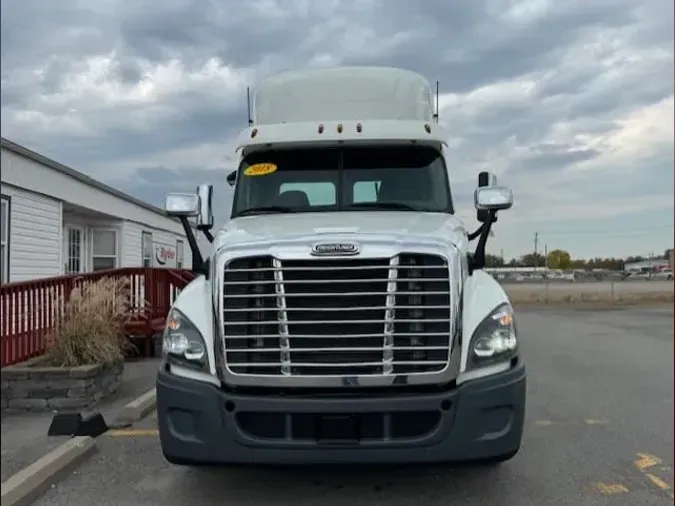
536,243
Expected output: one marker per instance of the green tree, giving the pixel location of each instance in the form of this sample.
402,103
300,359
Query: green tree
493,261
558,259
578,263
532,260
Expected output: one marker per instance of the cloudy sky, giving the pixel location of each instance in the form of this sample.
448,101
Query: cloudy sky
569,102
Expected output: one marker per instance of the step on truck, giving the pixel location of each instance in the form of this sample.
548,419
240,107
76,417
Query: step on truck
341,314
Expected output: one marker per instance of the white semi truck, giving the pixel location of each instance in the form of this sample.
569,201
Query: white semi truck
341,315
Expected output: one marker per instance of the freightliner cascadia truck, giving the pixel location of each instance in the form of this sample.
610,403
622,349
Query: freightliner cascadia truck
341,315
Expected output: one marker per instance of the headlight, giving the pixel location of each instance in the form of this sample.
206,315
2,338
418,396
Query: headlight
183,343
495,339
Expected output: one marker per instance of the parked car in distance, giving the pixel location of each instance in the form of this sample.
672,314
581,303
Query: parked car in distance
663,274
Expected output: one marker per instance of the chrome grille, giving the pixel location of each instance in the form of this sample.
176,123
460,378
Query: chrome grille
338,317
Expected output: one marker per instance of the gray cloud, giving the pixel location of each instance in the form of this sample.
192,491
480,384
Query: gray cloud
149,95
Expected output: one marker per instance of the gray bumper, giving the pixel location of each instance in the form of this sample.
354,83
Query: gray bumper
199,423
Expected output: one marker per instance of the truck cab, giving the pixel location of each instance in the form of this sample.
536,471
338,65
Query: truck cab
341,315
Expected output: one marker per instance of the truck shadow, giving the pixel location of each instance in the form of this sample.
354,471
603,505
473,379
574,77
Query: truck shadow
282,485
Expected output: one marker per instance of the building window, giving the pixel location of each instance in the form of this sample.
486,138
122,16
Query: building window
179,254
74,249
104,249
147,249
4,239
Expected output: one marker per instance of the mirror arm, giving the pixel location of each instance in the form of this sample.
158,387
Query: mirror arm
198,265
475,233
478,258
207,233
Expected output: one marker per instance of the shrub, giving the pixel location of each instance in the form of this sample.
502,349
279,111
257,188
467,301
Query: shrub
91,328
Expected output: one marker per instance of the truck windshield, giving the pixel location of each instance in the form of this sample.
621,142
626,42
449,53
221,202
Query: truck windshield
397,178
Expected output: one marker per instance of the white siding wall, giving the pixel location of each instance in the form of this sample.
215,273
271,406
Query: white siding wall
25,173
132,244
132,249
35,245
37,223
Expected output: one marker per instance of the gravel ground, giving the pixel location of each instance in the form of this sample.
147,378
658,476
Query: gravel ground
599,432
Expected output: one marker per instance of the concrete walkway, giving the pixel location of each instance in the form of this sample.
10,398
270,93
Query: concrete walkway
24,435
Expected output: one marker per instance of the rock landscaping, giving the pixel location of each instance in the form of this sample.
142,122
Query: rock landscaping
31,386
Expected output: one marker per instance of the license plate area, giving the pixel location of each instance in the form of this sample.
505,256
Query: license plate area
337,429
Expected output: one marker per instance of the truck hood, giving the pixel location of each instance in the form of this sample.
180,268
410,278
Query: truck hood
389,226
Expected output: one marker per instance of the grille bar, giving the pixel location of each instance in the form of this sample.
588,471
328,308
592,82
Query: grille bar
389,319
329,336
356,348
338,317
320,281
338,364
328,294
352,308
342,268
284,341
389,315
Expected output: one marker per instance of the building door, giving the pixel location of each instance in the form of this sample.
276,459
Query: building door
73,246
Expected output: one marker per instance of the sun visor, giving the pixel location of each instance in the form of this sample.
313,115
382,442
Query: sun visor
345,93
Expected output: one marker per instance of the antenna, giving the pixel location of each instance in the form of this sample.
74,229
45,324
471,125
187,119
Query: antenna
248,105
437,108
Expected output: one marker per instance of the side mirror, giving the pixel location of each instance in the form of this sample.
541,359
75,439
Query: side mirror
205,215
186,205
182,204
485,179
493,198
232,177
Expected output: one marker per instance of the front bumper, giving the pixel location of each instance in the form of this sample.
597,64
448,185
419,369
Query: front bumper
201,424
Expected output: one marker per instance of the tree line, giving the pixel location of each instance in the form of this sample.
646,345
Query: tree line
561,259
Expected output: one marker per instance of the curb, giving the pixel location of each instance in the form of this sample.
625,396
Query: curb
137,409
23,488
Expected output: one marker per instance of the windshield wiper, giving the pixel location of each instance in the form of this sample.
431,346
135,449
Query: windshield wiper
396,206
265,209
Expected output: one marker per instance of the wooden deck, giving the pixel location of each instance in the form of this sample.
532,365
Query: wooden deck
29,311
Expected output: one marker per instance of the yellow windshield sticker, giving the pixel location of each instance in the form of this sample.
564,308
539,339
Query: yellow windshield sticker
260,169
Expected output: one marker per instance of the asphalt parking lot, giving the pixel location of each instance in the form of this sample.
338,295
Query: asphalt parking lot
599,431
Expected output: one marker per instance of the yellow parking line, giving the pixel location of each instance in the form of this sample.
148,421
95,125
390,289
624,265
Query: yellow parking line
132,432
645,461
657,481
610,488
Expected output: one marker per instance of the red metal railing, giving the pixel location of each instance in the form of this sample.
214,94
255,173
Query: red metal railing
29,311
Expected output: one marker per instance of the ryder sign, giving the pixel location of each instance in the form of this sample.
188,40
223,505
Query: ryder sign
165,256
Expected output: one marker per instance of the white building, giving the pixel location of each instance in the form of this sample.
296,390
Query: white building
58,221
647,265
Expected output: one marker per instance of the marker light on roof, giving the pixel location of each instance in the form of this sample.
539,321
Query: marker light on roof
359,127
320,129
427,128
254,132
339,128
